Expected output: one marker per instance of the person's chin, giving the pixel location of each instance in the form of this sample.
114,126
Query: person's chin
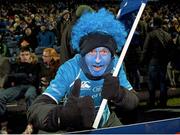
98,73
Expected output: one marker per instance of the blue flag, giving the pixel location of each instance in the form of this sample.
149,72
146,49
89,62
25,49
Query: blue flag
129,9
128,6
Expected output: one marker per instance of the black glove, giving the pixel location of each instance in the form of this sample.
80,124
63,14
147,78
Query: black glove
111,89
79,112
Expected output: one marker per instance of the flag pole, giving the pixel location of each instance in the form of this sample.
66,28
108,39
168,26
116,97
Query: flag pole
118,14
121,58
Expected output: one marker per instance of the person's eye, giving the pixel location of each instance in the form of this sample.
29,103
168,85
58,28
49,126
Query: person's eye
103,52
93,52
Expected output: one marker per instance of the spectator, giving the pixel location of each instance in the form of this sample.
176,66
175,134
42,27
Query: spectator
4,51
66,51
132,60
84,80
51,62
155,54
49,67
173,68
45,37
62,22
29,39
23,81
4,70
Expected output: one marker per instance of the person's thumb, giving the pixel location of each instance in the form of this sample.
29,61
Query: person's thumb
76,88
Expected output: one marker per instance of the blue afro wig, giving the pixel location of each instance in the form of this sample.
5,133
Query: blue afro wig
102,21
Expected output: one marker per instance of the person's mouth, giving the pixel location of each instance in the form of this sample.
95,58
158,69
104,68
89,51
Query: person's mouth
97,68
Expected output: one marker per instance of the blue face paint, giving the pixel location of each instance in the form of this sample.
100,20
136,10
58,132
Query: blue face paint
98,60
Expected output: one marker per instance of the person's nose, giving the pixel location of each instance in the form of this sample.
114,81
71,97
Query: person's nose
98,57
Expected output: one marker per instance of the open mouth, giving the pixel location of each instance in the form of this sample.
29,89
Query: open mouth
97,68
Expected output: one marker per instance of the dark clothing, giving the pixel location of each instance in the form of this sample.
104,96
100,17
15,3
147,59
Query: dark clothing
157,78
156,48
175,56
24,73
23,82
112,122
156,54
61,25
45,104
47,72
66,52
31,39
132,60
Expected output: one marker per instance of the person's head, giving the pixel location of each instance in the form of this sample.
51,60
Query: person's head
25,55
28,31
66,15
24,43
98,50
97,36
157,21
49,55
43,27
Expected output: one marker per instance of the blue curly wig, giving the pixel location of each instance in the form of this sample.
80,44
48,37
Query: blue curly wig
101,21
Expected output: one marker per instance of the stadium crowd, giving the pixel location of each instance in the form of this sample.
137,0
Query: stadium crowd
35,41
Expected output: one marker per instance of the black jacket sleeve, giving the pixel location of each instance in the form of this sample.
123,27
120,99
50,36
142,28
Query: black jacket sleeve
77,114
41,114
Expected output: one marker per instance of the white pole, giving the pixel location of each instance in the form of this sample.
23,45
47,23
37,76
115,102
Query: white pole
121,58
118,14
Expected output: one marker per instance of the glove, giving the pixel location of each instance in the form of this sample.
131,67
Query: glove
79,112
111,89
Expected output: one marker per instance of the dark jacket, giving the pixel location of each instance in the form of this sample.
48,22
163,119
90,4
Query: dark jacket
49,71
157,46
24,73
175,55
66,52
41,116
31,39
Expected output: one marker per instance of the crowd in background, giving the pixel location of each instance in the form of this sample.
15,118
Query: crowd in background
44,28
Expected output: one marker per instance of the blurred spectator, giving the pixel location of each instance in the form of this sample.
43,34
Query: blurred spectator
4,51
66,51
62,22
49,66
4,70
173,69
22,81
51,62
28,39
132,60
142,29
155,53
45,37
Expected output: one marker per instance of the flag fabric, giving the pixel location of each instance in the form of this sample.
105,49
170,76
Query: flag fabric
128,12
128,6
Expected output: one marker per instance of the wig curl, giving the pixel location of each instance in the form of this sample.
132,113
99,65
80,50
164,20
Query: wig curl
101,21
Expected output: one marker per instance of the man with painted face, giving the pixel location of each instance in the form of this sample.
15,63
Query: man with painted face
72,99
